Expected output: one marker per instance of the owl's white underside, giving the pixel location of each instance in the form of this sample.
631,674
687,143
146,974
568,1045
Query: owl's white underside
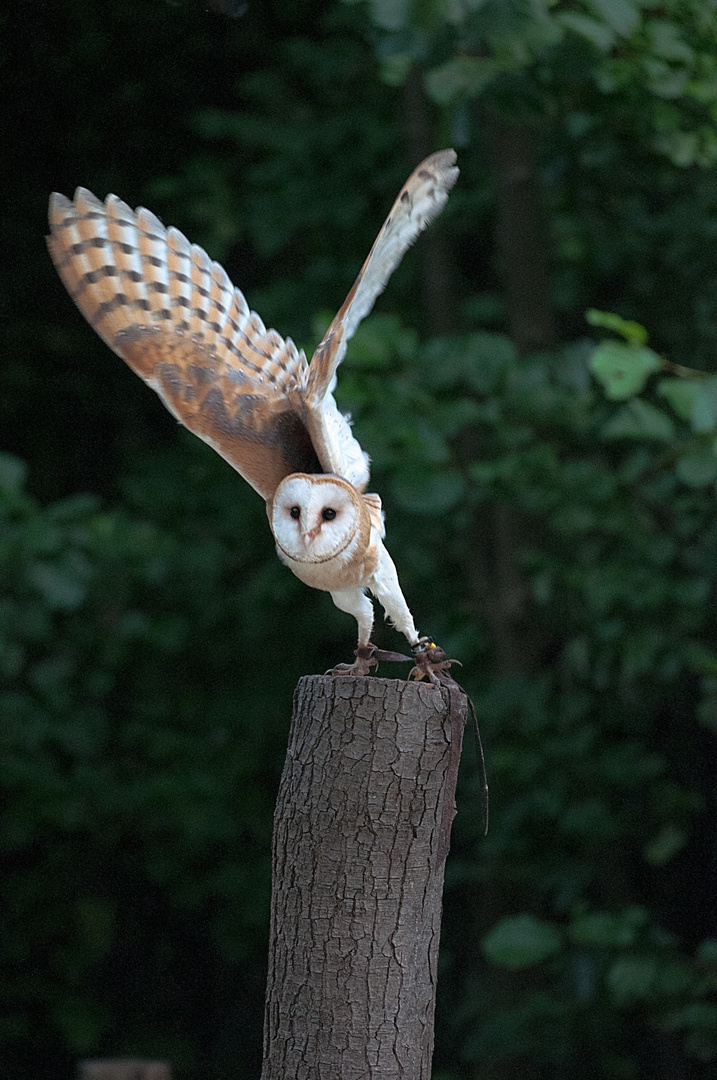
177,320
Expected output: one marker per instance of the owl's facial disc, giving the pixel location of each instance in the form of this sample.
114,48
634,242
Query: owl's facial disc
314,518
310,534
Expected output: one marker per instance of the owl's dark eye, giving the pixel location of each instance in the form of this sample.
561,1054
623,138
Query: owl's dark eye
295,512
328,514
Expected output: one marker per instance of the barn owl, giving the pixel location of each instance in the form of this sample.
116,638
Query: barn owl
174,316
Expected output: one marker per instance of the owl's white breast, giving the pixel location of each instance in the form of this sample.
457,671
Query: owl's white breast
348,570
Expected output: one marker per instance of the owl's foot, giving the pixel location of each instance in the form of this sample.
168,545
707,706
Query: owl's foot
431,663
365,660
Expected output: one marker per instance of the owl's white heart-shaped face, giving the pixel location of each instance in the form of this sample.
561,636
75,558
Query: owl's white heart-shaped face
316,519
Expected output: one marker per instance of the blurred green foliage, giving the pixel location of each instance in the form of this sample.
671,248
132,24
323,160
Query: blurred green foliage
552,517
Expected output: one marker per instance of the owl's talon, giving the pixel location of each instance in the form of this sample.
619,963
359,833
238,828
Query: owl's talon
365,660
431,663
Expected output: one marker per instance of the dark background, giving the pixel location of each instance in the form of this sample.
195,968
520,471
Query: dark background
562,545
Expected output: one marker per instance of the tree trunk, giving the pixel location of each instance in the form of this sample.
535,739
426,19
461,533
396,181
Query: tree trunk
522,250
358,879
521,239
434,250
524,264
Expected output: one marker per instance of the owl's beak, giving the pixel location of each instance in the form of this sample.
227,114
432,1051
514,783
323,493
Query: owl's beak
310,536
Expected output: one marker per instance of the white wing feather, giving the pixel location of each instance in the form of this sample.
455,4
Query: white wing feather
422,197
420,200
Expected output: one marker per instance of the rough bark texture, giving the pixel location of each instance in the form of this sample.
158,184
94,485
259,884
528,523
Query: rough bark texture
124,1069
357,886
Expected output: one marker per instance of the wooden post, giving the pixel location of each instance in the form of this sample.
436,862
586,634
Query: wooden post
357,882
124,1069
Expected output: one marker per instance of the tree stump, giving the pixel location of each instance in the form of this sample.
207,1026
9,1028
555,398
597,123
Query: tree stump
357,881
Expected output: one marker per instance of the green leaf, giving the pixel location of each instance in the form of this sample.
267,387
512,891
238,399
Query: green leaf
633,332
697,468
60,589
622,16
707,952
424,493
521,941
680,146
607,930
80,1022
681,394
670,839
594,31
696,1014
639,420
12,473
665,80
707,713
390,14
379,340
694,400
631,979
478,360
395,68
623,370
465,76
666,41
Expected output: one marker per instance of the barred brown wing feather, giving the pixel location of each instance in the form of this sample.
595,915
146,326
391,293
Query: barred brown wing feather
261,440
174,316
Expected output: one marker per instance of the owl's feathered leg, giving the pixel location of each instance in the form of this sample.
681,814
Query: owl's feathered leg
355,602
431,660
385,587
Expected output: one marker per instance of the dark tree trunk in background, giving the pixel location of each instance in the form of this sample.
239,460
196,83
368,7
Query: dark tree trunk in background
356,884
524,264
521,239
434,248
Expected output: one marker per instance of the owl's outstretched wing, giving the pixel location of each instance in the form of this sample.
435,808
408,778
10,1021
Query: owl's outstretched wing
420,200
175,317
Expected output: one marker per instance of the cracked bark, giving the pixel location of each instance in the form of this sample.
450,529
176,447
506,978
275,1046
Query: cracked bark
357,887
